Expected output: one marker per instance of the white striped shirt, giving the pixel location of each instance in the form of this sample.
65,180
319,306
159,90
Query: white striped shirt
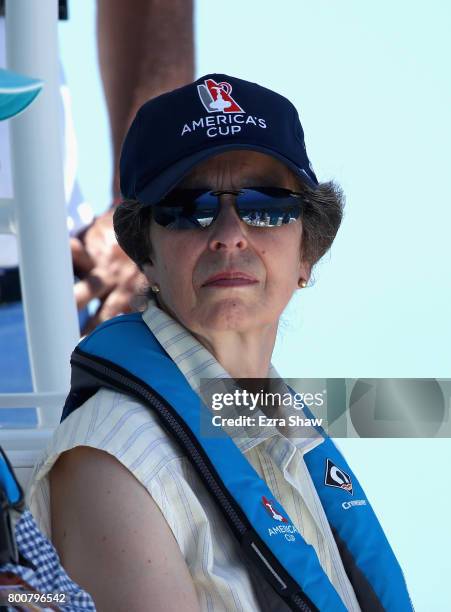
128,430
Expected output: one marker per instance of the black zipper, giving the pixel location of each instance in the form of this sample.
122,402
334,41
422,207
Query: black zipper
257,549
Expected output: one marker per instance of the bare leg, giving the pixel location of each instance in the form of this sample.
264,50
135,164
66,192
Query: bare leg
145,48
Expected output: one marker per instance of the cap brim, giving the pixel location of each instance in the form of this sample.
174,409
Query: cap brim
16,93
159,186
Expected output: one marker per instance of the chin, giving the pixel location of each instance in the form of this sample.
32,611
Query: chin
227,314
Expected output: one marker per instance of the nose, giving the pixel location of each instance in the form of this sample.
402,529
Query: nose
227,231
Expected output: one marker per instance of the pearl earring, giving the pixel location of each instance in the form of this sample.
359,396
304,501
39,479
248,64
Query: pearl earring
302,283
155,288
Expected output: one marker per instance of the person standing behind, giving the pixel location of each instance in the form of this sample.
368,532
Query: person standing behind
145,47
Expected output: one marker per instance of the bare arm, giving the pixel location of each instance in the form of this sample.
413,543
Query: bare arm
113,539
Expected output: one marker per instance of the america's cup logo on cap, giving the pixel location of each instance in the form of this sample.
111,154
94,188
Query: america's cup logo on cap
216,97
225,116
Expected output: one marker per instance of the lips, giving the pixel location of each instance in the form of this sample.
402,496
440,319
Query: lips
230,278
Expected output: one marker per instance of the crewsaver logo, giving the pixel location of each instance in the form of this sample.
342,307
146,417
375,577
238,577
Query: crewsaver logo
336,477
216,97
268,504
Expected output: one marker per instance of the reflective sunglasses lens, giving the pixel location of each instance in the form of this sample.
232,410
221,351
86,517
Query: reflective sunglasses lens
186,209
262,207
267,207
180,218
269,218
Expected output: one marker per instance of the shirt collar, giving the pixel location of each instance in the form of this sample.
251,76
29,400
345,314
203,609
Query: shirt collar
197,364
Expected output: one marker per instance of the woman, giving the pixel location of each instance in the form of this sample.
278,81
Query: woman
226,218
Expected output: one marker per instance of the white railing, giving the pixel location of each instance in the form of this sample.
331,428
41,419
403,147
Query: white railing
37,215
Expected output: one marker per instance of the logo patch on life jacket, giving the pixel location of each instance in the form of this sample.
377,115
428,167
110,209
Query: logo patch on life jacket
216,97
269,507
336,477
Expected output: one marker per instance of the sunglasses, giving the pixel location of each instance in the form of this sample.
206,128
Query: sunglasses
257,207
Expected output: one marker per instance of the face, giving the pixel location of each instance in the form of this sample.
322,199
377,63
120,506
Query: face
183,262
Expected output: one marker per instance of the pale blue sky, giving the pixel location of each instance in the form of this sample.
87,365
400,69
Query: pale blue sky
371,83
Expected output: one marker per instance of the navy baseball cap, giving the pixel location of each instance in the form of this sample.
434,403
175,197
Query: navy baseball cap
175,131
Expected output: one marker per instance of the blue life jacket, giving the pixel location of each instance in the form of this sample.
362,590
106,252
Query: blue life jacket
124,355
11,498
